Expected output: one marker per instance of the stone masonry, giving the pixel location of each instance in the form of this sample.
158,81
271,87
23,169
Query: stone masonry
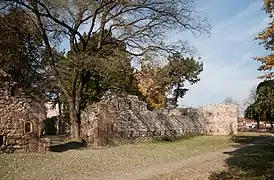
121,117
20,121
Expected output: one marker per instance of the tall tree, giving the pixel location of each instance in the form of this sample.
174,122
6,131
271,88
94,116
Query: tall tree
21,52
141,25
110,70
253,112
266,38
265,99
263,108
173,76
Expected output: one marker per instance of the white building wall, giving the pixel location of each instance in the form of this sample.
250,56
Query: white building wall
51,112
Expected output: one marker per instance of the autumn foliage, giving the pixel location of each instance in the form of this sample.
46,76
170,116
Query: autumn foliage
149,88
266,38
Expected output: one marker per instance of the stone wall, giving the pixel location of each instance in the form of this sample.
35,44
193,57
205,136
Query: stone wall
222,118
124,117
21,121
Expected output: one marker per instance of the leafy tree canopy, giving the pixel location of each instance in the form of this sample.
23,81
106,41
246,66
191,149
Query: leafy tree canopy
103,70
21,51
170,79
266,38
263,108
179,70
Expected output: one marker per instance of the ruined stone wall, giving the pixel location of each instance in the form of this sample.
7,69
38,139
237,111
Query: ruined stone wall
222,118
119,117
20,122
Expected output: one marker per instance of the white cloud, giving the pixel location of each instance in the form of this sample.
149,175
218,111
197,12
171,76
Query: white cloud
217,83
229,68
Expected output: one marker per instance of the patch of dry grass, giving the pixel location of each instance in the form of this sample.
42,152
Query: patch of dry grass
88,163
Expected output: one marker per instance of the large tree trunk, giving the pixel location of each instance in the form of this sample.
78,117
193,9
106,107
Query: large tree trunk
176,96
74,125
71,118
77,130
74,120
74,101
258,124
270,120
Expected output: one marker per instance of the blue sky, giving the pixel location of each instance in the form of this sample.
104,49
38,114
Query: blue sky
229,68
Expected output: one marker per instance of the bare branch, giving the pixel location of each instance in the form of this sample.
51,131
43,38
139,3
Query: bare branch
49,51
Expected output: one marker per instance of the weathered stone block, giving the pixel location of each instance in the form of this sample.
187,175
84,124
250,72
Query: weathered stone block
20,141
4,120
45,141
17,125
7,150
11,141
27,137
33,145
17,147
12,132
10,126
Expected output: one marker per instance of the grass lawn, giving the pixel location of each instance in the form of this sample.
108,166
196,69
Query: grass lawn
84,162
97,162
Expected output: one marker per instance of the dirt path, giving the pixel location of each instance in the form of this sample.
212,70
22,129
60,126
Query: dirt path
194,168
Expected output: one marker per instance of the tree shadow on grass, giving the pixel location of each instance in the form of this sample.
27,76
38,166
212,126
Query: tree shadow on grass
68,146
252,161
244,140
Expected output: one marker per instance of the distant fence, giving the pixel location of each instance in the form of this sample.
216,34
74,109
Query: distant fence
110,138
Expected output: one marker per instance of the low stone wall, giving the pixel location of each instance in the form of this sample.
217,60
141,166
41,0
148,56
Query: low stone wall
122,117
38,145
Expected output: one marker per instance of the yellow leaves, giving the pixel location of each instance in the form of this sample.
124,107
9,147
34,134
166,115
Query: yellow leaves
267,62
156,102
266,59
150,89
268,32
269,7
266,37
